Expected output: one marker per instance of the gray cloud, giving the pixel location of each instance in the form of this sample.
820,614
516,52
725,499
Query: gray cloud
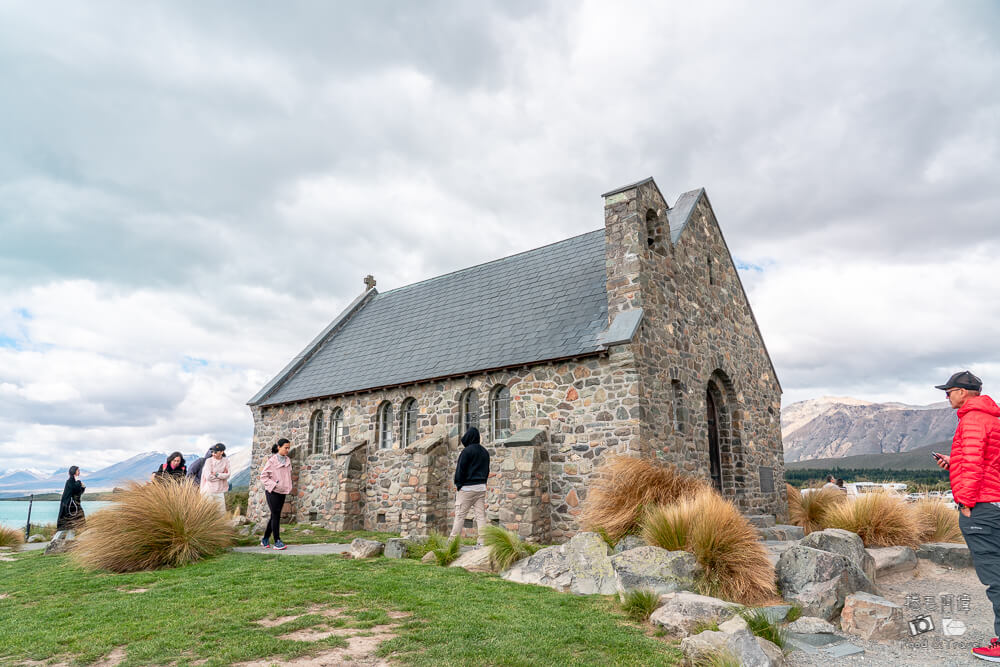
184,181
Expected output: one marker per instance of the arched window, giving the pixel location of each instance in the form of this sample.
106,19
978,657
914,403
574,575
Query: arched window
408,421
316,432
469,412
652,234
711,274
384,426
336,429
500,413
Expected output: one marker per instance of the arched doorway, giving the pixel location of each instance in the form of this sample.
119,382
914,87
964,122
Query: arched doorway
714,455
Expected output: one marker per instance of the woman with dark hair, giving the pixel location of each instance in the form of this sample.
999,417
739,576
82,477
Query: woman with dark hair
276,476
70,510
173,470
471,473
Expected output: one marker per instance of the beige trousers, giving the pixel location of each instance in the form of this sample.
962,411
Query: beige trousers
464,501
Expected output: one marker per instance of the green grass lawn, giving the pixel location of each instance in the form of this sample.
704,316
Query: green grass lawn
304,533
208,611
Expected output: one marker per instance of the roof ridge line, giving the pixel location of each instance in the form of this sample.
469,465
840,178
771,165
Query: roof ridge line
492,261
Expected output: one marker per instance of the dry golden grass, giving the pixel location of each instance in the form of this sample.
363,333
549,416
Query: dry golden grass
11,537
937,521
880,519
809,510
162,524
668,526
626,486
729,551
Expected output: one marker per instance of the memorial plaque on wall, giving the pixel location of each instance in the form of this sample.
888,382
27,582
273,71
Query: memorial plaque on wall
767,479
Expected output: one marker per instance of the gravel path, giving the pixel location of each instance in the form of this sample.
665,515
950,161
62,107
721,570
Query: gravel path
932,648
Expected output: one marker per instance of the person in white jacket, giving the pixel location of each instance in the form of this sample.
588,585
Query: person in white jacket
215,476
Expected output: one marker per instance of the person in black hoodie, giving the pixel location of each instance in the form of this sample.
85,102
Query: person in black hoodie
471,474
70,510
173,470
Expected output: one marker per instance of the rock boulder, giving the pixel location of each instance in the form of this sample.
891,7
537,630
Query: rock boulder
819,580
680,612
582,566
845,543
629,542
365,548
946,553
873,617
890,560
61,542
655,569
476,560
395,547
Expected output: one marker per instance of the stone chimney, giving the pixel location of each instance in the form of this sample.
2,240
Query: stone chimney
637,238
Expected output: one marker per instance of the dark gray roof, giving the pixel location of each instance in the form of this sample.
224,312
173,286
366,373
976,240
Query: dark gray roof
547,303
681,211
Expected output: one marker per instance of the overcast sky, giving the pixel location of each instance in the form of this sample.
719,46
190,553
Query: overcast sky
189,192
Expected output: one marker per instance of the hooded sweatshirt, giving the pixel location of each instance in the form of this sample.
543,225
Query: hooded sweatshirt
473,463
277,474
975,453
220,469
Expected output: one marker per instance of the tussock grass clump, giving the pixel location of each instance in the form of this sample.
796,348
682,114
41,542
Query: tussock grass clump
719,659
725,544
937,521
152,526
506,548
11,537
445,551
668,526
639,605
809,510
625,486
762,626
794,614
880,519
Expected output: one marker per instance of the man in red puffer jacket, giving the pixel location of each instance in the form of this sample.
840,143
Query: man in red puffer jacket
974,469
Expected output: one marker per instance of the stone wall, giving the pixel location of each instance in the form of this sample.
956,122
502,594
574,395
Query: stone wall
587,409
698,334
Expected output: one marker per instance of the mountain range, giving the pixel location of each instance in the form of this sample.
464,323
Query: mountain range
832,428
138,468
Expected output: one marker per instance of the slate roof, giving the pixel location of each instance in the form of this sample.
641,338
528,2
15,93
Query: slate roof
546,303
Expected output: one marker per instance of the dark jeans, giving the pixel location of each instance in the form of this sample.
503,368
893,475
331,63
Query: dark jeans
275,501
982,534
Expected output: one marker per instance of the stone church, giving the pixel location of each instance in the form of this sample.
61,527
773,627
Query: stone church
634,339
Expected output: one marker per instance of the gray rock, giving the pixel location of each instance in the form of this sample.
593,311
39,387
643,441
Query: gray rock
760,520
775,613
476,560
581,566
395,547
61,542
819,580
698,649
654,569
429,557
735,624
845,543
775,548
872,617
890,560
365,548
745,648
811,625
680,612
946,553
35,538
781,532
243,531
629,542
772,651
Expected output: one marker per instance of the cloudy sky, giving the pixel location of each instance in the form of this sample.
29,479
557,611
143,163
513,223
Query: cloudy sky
189,192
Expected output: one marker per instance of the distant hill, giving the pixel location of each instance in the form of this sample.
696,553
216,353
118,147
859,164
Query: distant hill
916,459
137,468
831,428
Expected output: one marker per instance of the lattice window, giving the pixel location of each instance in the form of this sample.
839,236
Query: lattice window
469,410
500,413
336,429
316,432
408,421
384,427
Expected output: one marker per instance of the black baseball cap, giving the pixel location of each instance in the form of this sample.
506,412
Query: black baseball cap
218,447
962,380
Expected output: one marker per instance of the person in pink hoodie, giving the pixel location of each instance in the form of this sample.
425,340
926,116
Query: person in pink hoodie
215,476
276,476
